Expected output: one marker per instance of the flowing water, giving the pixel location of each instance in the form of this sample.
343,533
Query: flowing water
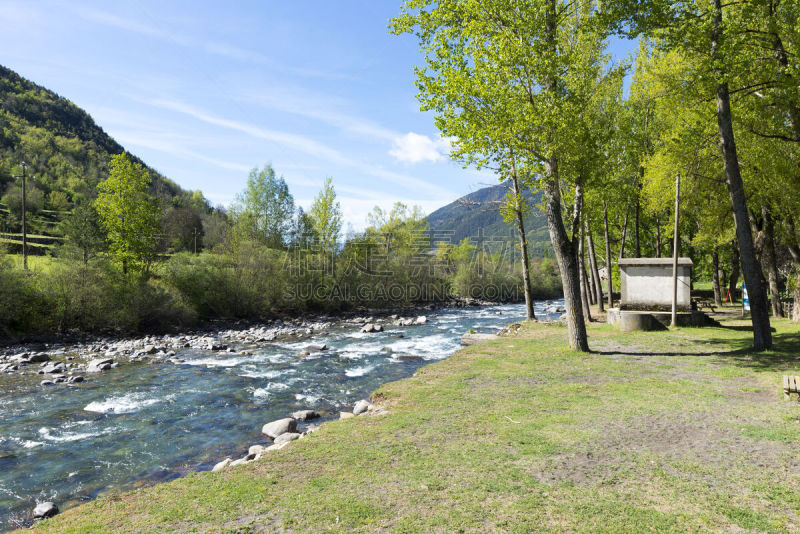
142,423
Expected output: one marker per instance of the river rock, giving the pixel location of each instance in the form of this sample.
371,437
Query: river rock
408,357
45,510
422,319
53,368
371,327
315,347
47,383
38,358
281,426
361,407
75,379
222,465
240,461
304,415
286,438
346,415
276,446
255,450
98,365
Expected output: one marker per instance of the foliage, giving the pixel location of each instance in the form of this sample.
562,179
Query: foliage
129,214
326,217
264,210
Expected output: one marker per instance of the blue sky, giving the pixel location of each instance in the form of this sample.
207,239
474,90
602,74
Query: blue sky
205,91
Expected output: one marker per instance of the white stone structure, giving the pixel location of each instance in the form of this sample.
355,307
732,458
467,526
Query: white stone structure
646,284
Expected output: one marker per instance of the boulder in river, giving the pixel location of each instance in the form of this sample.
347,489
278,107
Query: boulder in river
38,358
422,319
286,438
98,365
361,407
304,415
316,347
371,327
44,510
407,357
281,426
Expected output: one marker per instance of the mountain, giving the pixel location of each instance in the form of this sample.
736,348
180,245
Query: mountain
68,153
477,216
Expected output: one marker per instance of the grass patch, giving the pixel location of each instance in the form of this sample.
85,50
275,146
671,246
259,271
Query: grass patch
676,431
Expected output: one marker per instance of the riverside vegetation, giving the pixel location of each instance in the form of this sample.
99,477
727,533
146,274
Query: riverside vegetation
660,431
271,260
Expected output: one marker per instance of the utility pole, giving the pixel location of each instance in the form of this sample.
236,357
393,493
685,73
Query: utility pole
674,321
24,215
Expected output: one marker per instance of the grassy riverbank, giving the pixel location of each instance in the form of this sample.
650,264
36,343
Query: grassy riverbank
664,431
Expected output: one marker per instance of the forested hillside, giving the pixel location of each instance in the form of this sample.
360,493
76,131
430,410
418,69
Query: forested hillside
68,154
477,216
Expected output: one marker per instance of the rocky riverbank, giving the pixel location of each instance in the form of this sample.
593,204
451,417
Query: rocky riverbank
73,362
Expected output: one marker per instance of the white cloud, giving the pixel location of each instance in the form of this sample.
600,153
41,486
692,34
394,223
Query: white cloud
416,148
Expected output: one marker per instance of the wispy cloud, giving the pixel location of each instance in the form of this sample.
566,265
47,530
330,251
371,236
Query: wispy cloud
152,30
300,143
296,101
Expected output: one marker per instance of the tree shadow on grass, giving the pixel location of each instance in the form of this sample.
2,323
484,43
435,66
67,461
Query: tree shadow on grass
785,352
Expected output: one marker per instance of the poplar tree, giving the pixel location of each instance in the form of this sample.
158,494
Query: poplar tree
129,214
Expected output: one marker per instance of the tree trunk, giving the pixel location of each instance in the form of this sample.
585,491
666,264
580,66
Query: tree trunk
587,314
564,250
762,336
636,214
658,238
523,244
769,261
715,277
598,286
609,281
733,281
562,246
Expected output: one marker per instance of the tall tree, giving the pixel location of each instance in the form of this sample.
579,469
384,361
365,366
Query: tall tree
83,232
537,66
129,214
264,210
326,217
708,34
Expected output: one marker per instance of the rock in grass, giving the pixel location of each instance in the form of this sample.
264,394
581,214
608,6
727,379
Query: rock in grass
45,510
286,438
222,465
346,415
305,415
255,450
361,407
281,426
240,461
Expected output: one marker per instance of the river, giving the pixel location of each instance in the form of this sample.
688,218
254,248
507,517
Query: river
142,423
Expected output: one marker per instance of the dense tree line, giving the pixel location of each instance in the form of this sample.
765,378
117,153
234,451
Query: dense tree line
529,89
269,259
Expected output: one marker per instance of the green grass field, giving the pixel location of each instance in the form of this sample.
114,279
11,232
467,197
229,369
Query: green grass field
675,431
